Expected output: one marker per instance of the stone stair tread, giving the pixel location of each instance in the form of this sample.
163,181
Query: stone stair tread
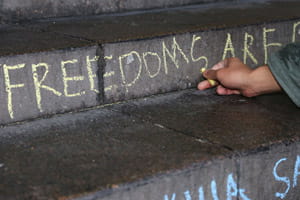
141,25
123,146
42,35
18,10
17,40
236,123
60,65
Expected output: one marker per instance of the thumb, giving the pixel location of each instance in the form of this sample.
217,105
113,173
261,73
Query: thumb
210,74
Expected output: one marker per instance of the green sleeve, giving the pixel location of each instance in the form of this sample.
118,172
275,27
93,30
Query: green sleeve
285,66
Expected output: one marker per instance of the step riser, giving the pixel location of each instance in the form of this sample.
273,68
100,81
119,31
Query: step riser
45,83
127,70
150,66
267,175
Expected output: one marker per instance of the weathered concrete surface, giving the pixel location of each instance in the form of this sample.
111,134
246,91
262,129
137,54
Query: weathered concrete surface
200,37
117,69
16,10
273,172
141,25
146,67
236,122
211,179
47,83
17,40
84,152
45,73
138,150
254,179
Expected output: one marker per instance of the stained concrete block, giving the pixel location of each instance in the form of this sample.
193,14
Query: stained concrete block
46,83
142,68
45,73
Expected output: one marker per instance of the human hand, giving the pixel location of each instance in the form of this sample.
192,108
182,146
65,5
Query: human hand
232,76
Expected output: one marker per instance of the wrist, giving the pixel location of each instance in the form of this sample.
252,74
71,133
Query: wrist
262,81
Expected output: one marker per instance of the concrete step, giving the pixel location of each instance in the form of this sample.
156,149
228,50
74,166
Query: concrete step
183,145
20,10
62,65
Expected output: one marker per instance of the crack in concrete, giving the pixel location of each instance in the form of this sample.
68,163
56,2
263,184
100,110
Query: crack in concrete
118,4
238,175
101,63
27,26
203,141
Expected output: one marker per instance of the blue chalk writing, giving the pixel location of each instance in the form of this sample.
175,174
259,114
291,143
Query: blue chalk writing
187,195
167,197
282,179
214,192
233,191
242,194
296,171
201,193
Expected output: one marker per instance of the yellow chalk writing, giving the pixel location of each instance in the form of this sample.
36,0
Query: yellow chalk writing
66,78
91,75
108,57
266,44
111,87
9,86
38,84
108,74
195,39
294,31
173,55
228,47
248,41
146,63
130,55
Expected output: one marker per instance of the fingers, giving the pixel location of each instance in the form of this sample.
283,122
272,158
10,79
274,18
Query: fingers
218,76
212,73
220,65
203,85
225,91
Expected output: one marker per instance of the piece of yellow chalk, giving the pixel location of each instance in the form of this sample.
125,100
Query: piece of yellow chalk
211,82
